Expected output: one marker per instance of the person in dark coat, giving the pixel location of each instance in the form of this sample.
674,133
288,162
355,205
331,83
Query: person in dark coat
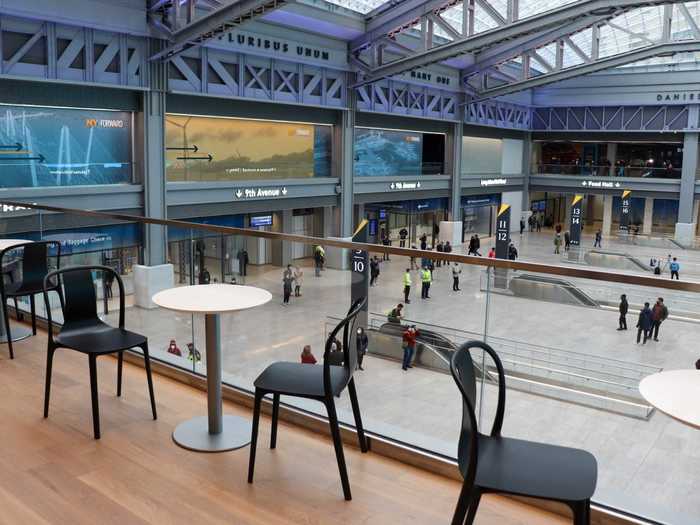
440,248
373,270
423,242
242,257
477,244
659,313
362,344
624,307
644,323
403,233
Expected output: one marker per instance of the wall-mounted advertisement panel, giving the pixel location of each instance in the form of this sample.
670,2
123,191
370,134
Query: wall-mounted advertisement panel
481,156
388,153
45,146
229,149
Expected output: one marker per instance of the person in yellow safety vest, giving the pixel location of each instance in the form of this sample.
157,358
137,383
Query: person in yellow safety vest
426,279
407,286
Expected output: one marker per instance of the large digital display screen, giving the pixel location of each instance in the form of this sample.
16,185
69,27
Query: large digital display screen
388,153
44,146
226,149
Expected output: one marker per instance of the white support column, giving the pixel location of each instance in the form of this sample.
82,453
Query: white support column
648,216
685,228
611,156
607,215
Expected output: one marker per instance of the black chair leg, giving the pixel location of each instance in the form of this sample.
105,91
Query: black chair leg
275,417
120,363
582,512
6,320
338,444
92,359
254,434
47,391
19,315
149,378
364,446
462,504
61,299
473,506
33,309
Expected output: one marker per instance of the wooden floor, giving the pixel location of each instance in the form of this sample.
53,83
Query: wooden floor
52,471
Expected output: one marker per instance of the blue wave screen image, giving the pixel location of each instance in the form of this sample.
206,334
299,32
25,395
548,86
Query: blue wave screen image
380,152
63,147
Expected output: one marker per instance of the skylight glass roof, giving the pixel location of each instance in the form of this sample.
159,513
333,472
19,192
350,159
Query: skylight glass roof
628,31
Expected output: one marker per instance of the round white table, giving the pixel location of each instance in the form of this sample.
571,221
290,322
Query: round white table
214,432
19,332
676,393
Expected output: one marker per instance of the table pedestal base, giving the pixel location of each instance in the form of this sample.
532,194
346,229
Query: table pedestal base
18,331
194,434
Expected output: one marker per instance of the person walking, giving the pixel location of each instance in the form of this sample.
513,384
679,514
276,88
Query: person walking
522,226
512,252
426,279
598,239
298,280
287,280
624,307
456,270
408,344
423,242
440,248
557,228
373,270
644,323
407,286
658,315
414,264
557,242
675,268
362,344
567,241
538,224
471,250
403,233
386,241
477,244
318,260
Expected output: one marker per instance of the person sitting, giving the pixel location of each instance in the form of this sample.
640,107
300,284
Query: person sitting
395,314
307,357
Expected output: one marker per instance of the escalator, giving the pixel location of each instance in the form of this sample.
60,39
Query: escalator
550,289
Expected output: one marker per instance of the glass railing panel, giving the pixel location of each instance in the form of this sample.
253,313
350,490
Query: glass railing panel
573,377
602,170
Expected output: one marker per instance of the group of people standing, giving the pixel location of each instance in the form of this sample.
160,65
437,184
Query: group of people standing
660,265
292,278
649,320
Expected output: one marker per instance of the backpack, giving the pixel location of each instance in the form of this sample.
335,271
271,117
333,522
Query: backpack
657,270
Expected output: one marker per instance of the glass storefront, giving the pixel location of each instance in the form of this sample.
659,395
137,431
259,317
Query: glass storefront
418,218
479,215
230,149
47,146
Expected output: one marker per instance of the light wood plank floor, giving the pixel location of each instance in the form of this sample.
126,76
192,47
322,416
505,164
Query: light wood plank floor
52,471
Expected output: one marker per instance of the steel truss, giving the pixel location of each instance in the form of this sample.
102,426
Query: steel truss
508,54
191,23
50,51
613,118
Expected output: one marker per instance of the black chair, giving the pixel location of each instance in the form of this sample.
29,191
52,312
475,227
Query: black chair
34,265
321,383
492,463
84,332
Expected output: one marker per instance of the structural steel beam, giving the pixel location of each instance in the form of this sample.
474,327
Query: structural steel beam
668,48
528,26
216,23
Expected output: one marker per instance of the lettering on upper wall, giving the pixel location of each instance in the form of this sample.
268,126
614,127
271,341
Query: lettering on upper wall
291,49
677,97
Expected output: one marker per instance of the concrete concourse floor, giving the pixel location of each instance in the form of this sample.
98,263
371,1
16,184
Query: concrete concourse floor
648,467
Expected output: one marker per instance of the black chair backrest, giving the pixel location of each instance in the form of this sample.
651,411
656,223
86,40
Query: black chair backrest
79,294
464,374
348,326
35,261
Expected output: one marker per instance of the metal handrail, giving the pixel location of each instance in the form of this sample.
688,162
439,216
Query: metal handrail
583,273
539,348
